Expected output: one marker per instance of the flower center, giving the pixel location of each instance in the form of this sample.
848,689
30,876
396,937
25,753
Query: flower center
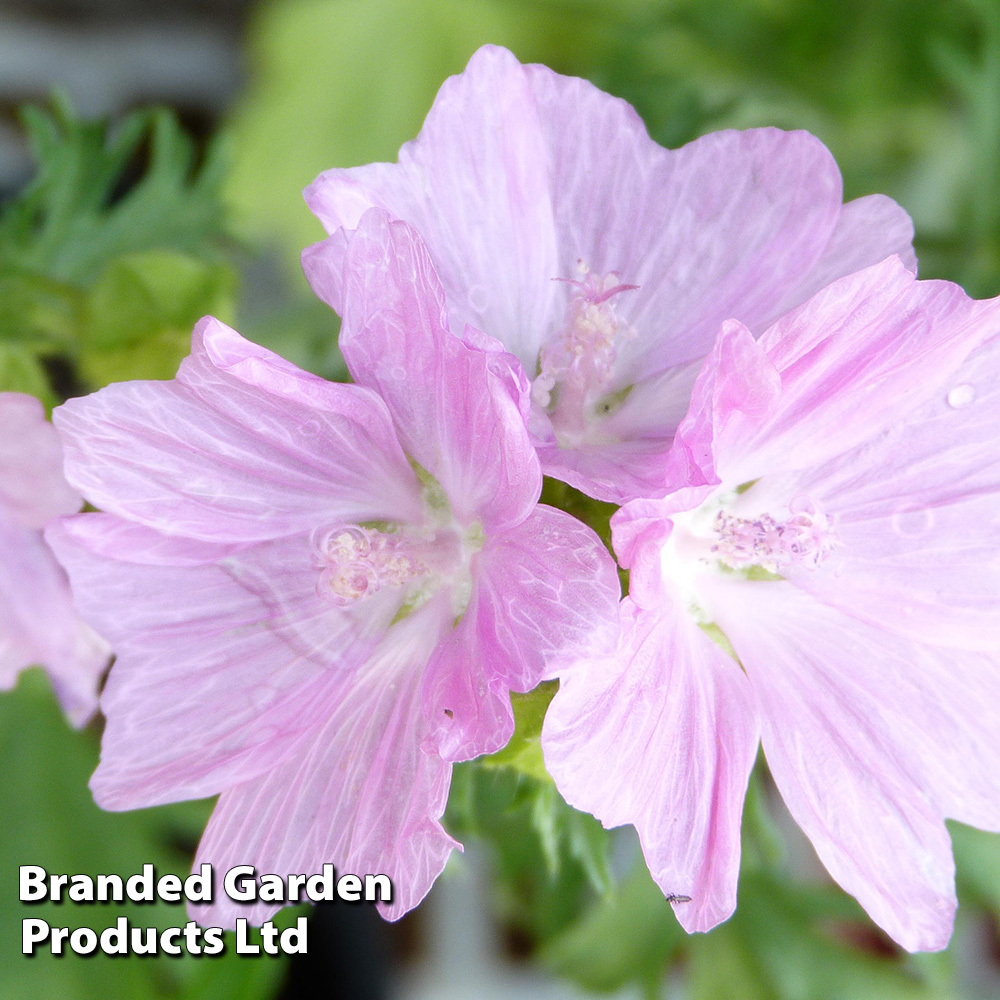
804,538
576,369
357,562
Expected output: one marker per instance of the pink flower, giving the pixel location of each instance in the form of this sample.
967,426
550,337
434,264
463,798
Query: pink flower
320,594
604,262
825,578
38,624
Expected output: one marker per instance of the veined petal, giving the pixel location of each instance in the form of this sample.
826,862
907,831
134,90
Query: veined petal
664,737
453,411
359,793
475,185
32,485
546,595
703,243
221,666
840,715
868,230
241,447
918,518
862,353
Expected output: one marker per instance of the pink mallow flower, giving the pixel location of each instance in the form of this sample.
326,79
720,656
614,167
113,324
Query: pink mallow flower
320,594
604,262
38,623
824,579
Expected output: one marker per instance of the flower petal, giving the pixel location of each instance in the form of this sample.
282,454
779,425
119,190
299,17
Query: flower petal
917,518
849,758
221,666
39,624
451,406
862,353
716,229
868,230
546,595
242,446
359,793
475,185
32,485
664,738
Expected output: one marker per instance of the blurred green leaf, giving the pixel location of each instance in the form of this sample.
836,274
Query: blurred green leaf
549,859
139,314
20,371
524,751
51,820
73,218
626,937
113,250
977,858
791,942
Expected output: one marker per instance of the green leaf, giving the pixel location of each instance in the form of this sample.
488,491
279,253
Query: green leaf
20,371
977,857
524,751
790,942
138,316
70,221
549,859
51,820
626,937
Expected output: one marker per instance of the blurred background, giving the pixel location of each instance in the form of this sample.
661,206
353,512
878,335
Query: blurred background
156,175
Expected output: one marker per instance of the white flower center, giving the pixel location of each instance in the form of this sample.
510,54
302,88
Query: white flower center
576,369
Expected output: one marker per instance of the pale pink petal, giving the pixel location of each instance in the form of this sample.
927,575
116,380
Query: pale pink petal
359,794
475,185
453,411
630,460
546,595
917,517
464,696
242,446
663,738
32,485
221,666
716,229
39,624
842,716
852,361
868,230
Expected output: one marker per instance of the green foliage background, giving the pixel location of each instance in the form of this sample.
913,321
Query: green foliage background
127,235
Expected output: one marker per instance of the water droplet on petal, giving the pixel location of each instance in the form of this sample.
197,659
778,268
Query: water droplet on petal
912,522
478,298
398,373
310,428
961,396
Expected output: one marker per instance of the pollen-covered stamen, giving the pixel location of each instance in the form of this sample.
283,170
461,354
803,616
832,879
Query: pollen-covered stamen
577,367
806,537
356,562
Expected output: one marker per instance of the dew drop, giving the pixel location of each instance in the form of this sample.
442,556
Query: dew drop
310,428
961,396
478,298
912,522
398,373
